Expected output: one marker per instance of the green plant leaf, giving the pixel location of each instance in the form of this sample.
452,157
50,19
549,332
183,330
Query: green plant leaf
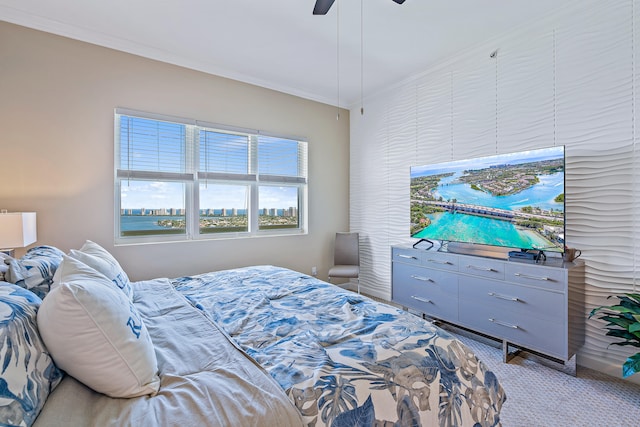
628,306
619,321
631,366
629,317
595,310
625,343
636,297
625,307
620,333
623,321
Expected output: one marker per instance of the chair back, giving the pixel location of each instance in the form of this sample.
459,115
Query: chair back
347,249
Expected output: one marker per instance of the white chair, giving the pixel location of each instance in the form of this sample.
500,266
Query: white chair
346,257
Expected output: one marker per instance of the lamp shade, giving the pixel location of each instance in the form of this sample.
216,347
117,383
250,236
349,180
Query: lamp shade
17,229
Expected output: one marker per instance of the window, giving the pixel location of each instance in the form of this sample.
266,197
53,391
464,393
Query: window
181,179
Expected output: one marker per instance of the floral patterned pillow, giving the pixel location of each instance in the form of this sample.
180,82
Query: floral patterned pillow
35,270
27,372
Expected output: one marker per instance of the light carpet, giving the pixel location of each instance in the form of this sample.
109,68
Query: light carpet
541,396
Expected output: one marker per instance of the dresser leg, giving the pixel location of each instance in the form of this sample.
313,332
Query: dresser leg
506,354
569,367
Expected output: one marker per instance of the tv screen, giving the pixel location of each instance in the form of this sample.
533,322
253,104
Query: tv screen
511,200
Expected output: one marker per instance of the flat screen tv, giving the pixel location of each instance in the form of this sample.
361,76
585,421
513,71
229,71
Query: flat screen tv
511,200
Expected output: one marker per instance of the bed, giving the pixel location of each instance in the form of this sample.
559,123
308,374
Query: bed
268,346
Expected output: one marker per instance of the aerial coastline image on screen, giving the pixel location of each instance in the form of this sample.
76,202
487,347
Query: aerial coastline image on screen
511,200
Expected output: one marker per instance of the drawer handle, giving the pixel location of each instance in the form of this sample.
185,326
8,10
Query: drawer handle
440,262
421,278
493,294
508,325
475,267
407,256
527,276
417,298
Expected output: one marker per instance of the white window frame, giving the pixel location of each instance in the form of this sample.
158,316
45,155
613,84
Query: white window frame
193,177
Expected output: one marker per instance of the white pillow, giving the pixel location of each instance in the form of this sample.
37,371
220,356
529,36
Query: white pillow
97,257
95,333
72,269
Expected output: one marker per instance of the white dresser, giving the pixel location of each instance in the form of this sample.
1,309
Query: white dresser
532,306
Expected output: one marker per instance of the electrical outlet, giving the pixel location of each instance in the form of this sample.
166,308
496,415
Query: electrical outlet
314,271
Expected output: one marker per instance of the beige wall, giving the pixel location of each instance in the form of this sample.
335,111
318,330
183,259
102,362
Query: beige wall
57,98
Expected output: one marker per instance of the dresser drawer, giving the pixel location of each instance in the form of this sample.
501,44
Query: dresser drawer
535,275
524,302
432,292
406,255
483,267
441,261
543,335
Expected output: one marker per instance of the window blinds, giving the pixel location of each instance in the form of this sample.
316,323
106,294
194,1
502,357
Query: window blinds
152,149
224,156
223,171
281,160
233,156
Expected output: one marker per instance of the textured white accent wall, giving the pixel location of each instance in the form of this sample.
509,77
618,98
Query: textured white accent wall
569,80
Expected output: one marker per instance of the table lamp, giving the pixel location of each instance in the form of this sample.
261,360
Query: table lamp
17,230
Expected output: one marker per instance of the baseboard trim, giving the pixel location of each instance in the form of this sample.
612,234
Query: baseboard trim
382,296
610,369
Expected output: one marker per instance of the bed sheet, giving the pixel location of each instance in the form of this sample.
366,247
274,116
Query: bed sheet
344,359
205,379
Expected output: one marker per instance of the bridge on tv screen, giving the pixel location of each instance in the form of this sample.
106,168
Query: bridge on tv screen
503,214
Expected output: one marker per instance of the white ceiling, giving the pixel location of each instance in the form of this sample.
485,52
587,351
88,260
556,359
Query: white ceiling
279,44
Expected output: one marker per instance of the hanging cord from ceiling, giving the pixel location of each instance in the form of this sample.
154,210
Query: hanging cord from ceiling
555,106
494,55
361,57
338,56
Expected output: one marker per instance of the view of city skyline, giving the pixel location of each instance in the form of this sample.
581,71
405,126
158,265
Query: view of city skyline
170,170
152,195
290,211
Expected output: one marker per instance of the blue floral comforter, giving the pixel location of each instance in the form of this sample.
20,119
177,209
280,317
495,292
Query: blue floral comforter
344,359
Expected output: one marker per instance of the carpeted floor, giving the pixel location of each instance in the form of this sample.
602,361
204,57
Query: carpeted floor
540,396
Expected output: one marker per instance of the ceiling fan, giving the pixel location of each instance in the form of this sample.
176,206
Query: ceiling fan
323,6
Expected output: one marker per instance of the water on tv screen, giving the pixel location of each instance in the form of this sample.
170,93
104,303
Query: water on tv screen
511,200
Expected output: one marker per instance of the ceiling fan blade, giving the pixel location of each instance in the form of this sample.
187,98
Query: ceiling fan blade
323,6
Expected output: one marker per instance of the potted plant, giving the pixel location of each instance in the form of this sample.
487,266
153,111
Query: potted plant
624,322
